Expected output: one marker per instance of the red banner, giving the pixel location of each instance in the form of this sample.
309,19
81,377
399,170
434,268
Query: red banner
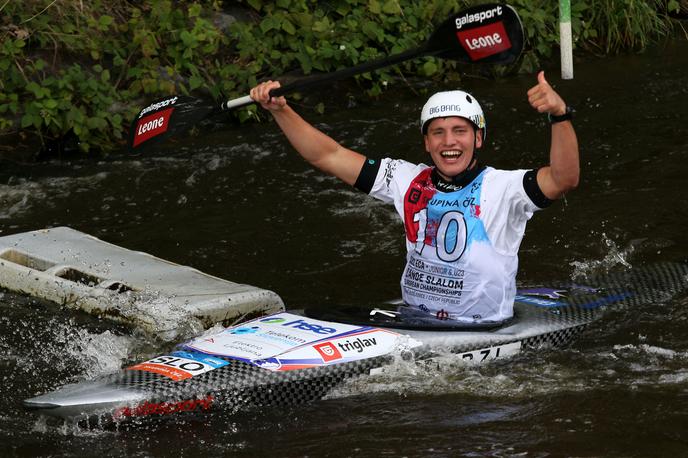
482,42
152,125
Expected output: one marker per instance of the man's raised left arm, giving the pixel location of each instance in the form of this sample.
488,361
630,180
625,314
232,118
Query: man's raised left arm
563,172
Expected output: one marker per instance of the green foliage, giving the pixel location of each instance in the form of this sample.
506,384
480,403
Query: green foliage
599,26
87,67
613,25
306,36
78,66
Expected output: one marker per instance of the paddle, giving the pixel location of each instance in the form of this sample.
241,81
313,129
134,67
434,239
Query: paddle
489,33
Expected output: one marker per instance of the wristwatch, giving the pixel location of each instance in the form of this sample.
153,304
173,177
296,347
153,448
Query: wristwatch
567,116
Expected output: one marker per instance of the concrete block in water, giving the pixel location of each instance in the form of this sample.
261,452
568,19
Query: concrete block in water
79,271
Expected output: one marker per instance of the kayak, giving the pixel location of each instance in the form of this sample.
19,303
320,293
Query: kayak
299,356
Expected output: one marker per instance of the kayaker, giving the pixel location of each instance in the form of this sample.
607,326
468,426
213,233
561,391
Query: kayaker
464,220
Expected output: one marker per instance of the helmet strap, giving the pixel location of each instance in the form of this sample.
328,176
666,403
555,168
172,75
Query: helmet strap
459,181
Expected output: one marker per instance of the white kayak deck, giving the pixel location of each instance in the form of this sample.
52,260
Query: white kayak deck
79,271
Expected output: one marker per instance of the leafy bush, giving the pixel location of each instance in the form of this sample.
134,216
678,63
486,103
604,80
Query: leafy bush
613,25
598,26
80,66
86,67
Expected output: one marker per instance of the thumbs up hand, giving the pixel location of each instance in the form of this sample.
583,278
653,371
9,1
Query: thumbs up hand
544,98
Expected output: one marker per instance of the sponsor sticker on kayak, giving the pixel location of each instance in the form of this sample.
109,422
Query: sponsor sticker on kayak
490,353
266,337
180,365
163,408
328,351
362,344
287,342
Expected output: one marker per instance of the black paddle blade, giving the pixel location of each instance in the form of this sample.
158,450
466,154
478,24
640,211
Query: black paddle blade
491,33
166,117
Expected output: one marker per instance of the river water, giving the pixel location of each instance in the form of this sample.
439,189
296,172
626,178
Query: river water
239,204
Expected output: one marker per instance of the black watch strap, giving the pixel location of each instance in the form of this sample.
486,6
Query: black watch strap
567,116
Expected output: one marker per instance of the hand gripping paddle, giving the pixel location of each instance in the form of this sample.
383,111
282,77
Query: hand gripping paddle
490,33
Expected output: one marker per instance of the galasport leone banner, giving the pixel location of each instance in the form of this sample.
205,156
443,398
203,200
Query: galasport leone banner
486,34
485,40
482,34
150,125
154,122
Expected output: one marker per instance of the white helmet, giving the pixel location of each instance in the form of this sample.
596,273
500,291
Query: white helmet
453,103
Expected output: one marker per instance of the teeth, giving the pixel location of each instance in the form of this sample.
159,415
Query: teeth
451,153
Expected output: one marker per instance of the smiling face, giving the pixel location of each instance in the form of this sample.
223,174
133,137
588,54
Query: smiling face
450,142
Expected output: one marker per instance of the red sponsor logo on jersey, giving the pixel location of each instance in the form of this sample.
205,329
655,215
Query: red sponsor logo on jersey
482,42
152,125
475,211
419,193
328,351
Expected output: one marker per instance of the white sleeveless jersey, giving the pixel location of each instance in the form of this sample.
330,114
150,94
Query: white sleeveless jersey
462,246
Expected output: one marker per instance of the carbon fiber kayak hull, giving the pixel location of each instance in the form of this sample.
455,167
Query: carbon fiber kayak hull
290,358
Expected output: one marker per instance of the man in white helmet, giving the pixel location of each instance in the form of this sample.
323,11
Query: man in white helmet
464,221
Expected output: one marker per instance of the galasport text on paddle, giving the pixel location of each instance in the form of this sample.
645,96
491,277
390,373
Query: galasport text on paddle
490,33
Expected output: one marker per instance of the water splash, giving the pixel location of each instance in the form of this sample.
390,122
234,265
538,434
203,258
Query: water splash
72,349
162,315
18,197
615,257
445,372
